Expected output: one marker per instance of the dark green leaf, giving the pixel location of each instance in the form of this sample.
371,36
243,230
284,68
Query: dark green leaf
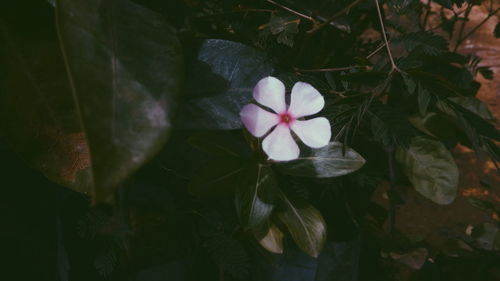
424,98
474,105
124,66
497,30
482,204
486,72
220,80
306,226
436,125
410,84
284,26
427,42
332,160
255,198
36,107
431,169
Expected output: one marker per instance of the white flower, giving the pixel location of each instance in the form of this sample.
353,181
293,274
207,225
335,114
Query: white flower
305,100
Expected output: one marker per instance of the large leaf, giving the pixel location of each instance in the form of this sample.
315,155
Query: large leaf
427,42
430,168
333,160
305,224
220,78
124,67
255,198
36,107
474,105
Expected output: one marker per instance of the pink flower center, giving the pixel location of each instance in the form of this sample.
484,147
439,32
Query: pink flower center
286,118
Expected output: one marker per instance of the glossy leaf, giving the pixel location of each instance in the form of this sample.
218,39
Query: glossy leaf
123,63
255,197
333,160
220,79
430,168
273,240
306,226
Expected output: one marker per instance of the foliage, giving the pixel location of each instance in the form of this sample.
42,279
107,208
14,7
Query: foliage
97,94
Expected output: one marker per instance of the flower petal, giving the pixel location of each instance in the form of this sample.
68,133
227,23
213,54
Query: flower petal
305,100
279,145
314,133
270,92
257,120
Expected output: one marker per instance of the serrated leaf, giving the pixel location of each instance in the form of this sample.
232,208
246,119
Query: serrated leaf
306,226
424,98
124,66
284,26
333,160
410,84
474,105
255,197
431,169
220,79
427,42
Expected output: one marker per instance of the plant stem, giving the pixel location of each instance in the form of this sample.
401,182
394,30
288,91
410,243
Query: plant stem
376,51
327,69
334,17
292,11
462,27
428,7
461,40
394,67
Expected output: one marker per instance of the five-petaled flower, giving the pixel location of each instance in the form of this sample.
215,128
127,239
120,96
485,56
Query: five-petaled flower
305,100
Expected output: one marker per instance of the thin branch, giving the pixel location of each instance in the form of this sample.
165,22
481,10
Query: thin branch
327,69
394,67
462,27
376,51
334,17
461,40
428,7
292,11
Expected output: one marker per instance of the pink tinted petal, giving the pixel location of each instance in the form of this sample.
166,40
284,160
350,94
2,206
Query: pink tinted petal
305,100
279,145
257,120
270,92
314,133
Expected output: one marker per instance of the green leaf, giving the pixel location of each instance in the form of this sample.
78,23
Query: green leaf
305,224
333,160
255,198
427,42
424,98
486,72
430,168
410,84
124,68
436,125
474,105
496,32
220,79
284,26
